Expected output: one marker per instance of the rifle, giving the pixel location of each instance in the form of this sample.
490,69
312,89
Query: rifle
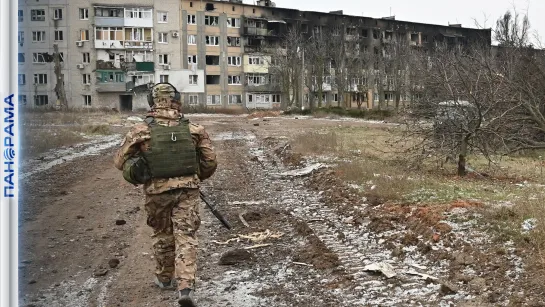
215,211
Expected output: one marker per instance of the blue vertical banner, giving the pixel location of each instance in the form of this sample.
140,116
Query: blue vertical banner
9,156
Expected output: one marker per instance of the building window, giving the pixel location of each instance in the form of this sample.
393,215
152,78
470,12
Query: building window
87,100
40,78
233,41
41,100
233,80
111,33
83,14
335,97
211,20
190,4
191,59
22,79
193,100
38,36
255,61
212,40
37,15
84,35
162,17
191,19
193,79
213,100
235,99
256,79
108,12
163,78
233,22
138,13
233,61
21,57
20,15
276,98
21,37
38,58
86,57
163,59
22,100
111,76
191,40
163,37
212,60
86,78
57,14
59,35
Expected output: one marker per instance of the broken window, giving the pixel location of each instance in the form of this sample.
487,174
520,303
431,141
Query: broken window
233,80
212,40
37,15
364,33
211,20
193,79
233,22
388,35
376,34
257,79
192,59
41,100
209,6
191,19
233,41
233,61
213,60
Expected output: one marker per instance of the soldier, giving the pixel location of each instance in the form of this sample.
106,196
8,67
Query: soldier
170,156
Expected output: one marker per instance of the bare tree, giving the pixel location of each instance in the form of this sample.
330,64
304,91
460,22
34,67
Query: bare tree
286,67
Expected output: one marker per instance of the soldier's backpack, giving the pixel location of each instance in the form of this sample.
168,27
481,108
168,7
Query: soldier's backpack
172,152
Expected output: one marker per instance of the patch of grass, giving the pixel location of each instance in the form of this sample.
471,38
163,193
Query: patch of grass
96,129
341,112
38,141
317,143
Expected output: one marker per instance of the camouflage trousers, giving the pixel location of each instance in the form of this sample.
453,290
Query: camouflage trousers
174,217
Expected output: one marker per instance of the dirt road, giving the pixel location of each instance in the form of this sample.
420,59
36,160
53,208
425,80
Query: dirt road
299,248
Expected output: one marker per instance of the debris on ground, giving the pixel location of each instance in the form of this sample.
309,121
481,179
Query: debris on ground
529,225
134,119
385,268
235,256
304,171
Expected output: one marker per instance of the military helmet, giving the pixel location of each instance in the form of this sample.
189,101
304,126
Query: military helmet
163,91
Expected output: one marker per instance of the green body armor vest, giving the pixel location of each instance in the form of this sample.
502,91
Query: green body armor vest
172,152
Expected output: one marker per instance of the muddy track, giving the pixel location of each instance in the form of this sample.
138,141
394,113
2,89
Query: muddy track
298,248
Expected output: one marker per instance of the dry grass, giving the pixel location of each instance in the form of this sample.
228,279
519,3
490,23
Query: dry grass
47,129
371,159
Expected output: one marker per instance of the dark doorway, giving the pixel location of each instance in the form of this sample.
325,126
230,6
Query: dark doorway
125,102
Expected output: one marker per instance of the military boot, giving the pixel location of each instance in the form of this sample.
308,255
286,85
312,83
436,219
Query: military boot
186,298
168,285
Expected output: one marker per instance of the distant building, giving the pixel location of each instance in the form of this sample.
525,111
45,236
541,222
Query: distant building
210,50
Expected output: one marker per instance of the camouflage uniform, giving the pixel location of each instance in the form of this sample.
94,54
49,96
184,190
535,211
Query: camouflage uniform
172,204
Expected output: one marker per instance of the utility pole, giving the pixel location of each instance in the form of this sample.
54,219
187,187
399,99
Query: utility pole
59,87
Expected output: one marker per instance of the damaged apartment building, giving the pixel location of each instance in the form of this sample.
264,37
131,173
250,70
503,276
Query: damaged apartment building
217,53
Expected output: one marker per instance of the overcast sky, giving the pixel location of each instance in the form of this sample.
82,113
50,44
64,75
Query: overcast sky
442,12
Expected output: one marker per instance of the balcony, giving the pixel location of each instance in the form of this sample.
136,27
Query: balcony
140,66
109,21
270,87
108,65
111,87
148,45
259,31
